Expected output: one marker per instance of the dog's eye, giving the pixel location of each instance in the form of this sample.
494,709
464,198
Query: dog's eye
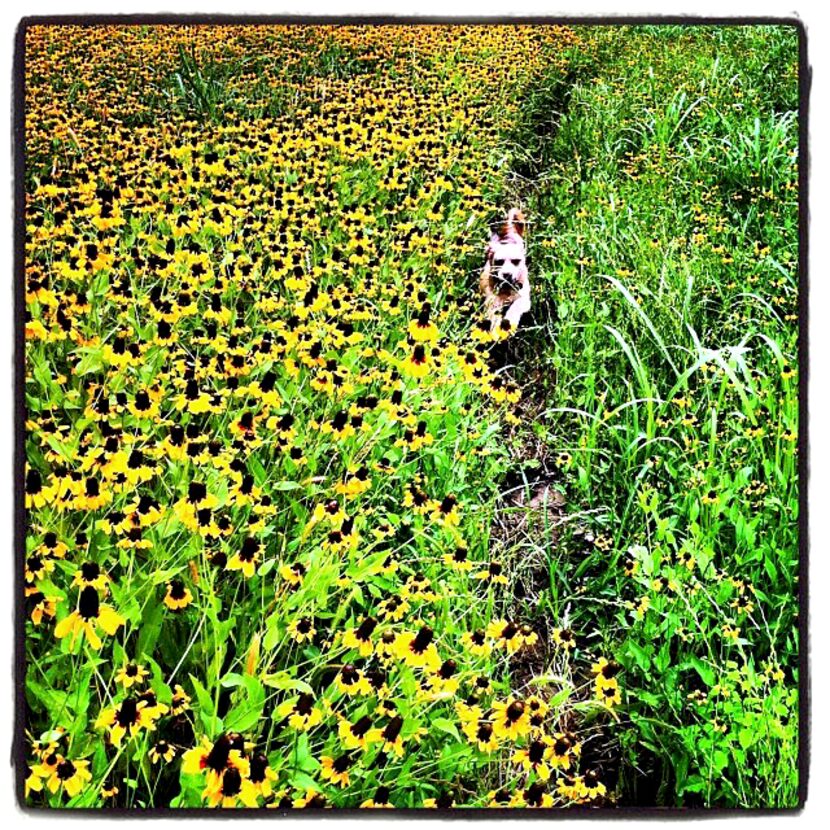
498,262
515,261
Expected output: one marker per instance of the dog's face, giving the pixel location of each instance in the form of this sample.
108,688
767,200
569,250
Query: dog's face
507,266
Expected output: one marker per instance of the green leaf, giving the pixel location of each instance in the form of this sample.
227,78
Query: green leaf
284,682
641,655
746,737
706,672
206,711
92,360
247,713
285,485
560,698
152,619
446,725
305,760
53,699
719,760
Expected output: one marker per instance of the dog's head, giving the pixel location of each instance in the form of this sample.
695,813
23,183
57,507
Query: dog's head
507,266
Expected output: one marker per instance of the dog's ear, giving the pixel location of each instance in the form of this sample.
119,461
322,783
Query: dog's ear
517,219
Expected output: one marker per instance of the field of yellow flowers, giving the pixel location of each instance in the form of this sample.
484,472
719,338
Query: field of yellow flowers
269,557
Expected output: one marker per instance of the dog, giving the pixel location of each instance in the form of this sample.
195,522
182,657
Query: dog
504,281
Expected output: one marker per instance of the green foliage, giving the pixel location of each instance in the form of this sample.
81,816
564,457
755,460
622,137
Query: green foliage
665,241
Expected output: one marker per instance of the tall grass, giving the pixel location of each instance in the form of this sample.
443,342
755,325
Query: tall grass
665,247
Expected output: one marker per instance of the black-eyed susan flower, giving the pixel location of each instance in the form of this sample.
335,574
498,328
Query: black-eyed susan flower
379,800
481,733
126,719
393,608
493,574
302,630
476,643
37,491
293,574
605,671
498,798
358,735
458,560
418,363
177,595
352,681
68,776
212,758
88,617
511,719
33,781
109,788
535,757
422,329
564,747
337,769
246,558
360,637
535,796
590,786
444,801
180,701
90,574
261,775
444,682
131,674
418,650
301,712
391,736
564,638
162,751
40,606
510,636
230,789
447,512
609,693
311,800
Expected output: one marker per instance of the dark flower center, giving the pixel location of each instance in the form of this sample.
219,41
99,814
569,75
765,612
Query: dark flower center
484,731
447,669
89,604
127,713
536,752
231,782
196,492
177,590
259,763
304,704
366,628
341,764
360,728
217,758
422,639
65,770
393,729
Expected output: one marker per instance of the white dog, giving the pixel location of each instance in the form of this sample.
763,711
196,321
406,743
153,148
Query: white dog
505,280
